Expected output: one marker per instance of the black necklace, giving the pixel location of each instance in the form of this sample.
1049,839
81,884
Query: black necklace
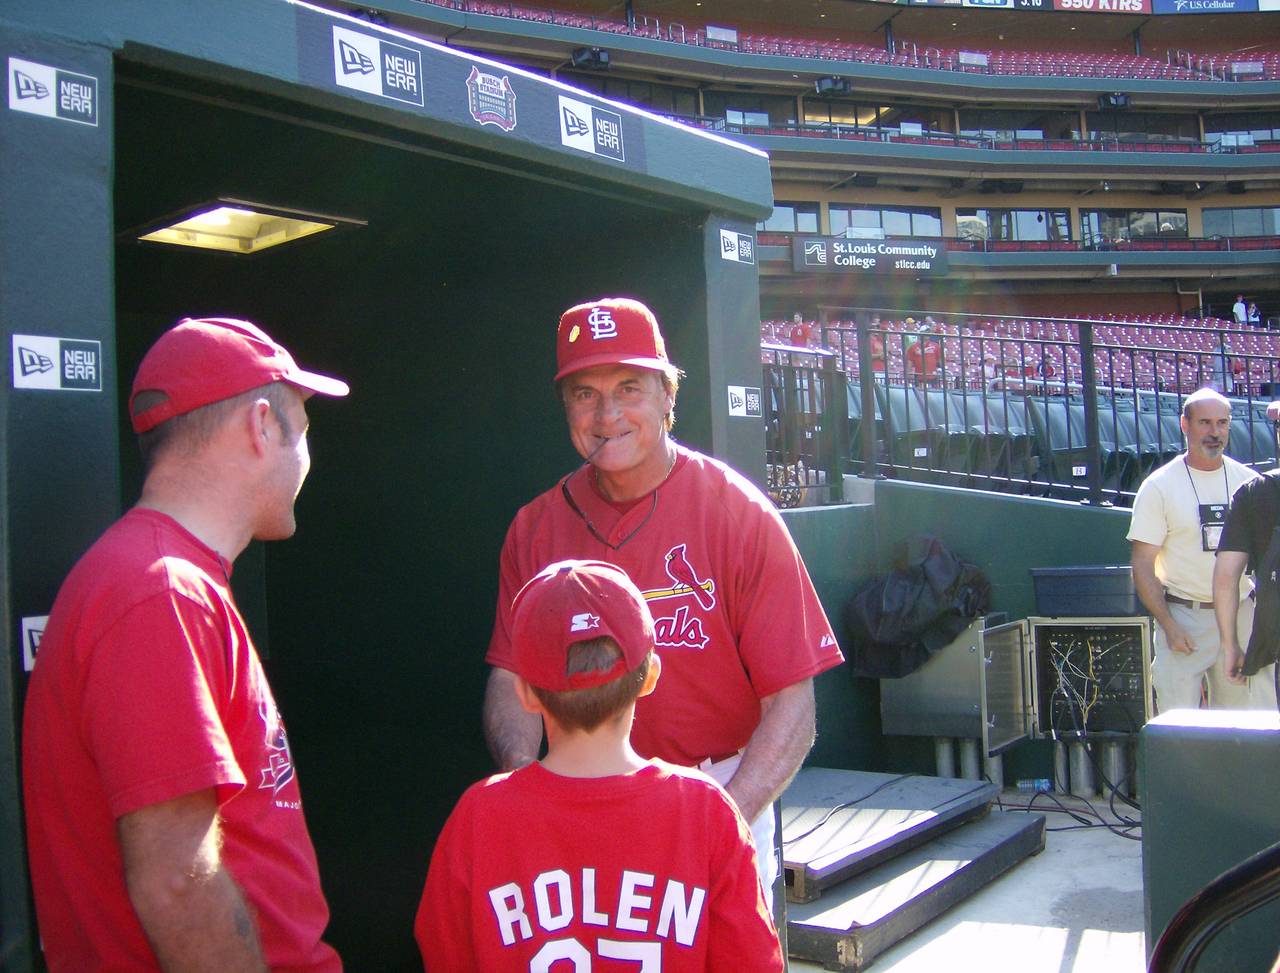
573,505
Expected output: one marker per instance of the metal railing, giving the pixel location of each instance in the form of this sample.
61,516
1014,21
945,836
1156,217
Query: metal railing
1045,407
1213,244
1235,893
906,54
803,395
999,142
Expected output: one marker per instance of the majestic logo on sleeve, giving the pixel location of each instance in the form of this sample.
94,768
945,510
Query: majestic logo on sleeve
279,769
682,630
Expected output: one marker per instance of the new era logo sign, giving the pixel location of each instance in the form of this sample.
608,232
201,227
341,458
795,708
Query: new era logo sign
590,129
375,66
56,364
40,89
32,362
584,622
352,61
27,86
745,402
33,627
574,124
738,247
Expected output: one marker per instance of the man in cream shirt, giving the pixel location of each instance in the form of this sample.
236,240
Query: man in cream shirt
1177,521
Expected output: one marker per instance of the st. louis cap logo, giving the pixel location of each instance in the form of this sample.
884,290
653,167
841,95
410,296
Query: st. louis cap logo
602,323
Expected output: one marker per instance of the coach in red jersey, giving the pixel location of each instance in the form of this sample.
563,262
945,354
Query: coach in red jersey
740,630
164,822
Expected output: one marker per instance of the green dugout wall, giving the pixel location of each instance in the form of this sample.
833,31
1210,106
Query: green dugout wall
480,227
844,547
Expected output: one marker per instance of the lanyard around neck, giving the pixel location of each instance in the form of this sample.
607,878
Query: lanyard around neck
1225,482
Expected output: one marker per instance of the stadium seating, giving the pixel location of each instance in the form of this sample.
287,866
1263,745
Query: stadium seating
1176,66
1148,352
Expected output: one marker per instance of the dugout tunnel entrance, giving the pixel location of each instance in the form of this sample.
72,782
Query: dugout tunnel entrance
438,307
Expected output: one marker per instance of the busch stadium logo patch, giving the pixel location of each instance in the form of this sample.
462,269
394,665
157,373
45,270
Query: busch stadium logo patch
39,89
491,99
59,364
366,63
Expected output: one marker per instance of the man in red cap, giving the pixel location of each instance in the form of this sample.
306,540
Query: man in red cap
164,821
592,852
739,628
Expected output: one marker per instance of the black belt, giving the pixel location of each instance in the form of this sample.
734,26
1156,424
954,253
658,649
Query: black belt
1186,602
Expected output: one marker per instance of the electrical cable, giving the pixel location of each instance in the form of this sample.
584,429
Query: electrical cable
848,804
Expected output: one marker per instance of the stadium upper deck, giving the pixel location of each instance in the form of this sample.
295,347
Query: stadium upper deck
1065,156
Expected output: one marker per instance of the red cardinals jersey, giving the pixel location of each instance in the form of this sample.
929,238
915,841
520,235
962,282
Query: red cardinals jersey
737,617
653,869
923,356
146,688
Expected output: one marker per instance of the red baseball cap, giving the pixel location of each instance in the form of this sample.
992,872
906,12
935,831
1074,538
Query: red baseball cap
577,601
610,331
200,361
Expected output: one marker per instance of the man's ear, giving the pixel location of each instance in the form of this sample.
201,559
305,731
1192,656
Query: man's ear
651,678
262,424
529,700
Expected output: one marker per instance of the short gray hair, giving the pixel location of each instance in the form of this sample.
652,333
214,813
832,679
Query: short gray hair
1203,395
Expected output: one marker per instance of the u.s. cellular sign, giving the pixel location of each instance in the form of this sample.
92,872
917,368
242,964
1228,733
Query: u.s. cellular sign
836,255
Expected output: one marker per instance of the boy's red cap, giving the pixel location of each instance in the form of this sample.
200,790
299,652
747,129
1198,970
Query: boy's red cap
205,360
610,331
577,601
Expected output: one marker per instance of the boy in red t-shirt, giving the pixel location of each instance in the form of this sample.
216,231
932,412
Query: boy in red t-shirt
592,854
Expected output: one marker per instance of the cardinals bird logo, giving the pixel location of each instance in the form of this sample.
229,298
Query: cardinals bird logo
686,581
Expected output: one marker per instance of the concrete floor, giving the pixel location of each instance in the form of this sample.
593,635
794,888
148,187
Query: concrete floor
1074,908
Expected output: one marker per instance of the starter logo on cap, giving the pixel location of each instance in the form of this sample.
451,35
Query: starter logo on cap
583,622
602,324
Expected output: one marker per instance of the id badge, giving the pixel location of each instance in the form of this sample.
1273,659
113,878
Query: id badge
1212,518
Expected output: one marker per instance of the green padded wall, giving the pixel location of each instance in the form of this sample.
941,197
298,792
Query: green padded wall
840,551
57,445
1209,783
845,546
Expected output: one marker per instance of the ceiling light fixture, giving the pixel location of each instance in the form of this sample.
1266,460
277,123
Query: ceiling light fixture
239,226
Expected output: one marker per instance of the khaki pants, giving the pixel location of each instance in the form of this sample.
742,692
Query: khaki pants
1177,678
